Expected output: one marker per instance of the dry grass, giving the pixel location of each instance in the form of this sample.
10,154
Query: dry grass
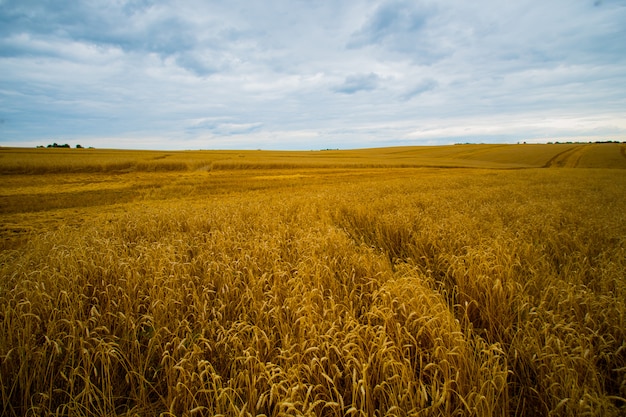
315,291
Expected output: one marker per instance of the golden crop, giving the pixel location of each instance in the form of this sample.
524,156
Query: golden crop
466,280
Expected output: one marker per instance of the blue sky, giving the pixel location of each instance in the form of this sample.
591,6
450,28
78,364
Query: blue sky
296,74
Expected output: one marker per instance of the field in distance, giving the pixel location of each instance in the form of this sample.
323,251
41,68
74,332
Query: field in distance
34,161
434,281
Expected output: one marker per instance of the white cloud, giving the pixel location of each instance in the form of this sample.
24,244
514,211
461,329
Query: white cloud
420,88
340,74
358,82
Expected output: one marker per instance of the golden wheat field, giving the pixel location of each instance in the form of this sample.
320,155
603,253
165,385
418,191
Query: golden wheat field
466,280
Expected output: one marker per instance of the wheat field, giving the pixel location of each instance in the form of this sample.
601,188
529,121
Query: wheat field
468,280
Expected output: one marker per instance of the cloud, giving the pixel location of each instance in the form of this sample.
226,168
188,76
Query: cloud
402,27
221,126
347,74
358,82
424,86
201,63
134,27
394,22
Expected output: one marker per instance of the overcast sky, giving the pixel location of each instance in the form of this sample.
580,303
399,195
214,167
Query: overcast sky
310,74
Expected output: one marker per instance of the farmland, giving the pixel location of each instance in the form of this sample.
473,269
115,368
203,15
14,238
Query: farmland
460,280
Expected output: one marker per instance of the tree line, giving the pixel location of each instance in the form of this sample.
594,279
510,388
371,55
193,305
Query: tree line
65,145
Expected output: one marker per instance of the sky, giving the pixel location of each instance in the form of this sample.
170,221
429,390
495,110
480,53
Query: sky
310,74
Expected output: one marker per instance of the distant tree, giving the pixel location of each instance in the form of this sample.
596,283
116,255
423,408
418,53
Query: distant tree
56,145
78,146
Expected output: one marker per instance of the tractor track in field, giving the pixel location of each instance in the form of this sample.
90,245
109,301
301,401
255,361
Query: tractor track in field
569,158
